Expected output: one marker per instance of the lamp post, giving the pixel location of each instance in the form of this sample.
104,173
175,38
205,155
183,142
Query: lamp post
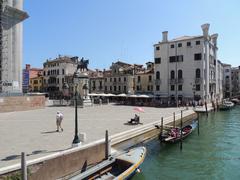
76,139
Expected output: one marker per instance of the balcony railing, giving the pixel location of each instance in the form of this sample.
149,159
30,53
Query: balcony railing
198,80
158,81
176,81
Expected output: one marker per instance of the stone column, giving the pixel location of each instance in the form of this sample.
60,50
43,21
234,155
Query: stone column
205,28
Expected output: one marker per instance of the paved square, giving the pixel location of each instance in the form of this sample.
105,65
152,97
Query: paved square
34,131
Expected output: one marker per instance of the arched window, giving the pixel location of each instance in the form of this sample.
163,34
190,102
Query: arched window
180,76
157,75
198,73
172,75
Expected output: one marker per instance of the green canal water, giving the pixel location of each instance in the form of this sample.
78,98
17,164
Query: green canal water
214,154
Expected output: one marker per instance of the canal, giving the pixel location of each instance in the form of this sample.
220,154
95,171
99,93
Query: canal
214,154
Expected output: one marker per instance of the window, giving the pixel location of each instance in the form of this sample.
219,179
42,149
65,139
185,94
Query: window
180,87
62,80
197,42
172,46
119,79
115,88
198,87
44,73
172,59
125,88
35,82
63,71
110,88
110,79
197,56
115,80
188,44
138,88
179,44
119,88
58,72
157,88
172,74
198,73
148,88
157,75
157,60
172,87
150,78
139,79
105,88
157,48
180,76
125,79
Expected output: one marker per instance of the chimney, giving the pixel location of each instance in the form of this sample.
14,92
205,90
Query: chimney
214,39
205,28
164,36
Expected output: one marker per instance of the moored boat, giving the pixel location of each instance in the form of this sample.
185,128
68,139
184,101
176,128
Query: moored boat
227,105
174,135
122,166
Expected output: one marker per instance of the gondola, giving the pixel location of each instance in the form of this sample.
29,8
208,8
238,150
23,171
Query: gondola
122,166
174,134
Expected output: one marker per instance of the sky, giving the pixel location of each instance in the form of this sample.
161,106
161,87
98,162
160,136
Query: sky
105,31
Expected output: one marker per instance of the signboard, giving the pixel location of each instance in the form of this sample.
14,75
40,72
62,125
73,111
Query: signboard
25,83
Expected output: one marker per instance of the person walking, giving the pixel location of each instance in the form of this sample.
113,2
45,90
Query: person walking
59,118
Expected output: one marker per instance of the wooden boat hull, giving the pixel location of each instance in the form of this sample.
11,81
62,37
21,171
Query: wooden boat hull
122,166
170,139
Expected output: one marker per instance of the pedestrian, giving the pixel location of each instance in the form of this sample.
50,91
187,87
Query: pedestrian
59,118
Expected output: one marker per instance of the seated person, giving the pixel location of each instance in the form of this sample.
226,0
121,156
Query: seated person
135,119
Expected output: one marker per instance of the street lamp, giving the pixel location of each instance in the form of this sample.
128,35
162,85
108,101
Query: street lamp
76,139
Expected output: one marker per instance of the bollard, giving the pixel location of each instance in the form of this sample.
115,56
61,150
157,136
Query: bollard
174,119
23,166
106,145
181,146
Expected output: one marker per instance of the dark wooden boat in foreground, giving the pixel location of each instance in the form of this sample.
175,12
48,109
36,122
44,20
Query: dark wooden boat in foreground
122,166
174,134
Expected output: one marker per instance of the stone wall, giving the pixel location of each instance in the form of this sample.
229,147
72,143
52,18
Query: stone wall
21,103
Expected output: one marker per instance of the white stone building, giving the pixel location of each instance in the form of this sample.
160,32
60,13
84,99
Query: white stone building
235,81
186,67
227,80
11,32
56,72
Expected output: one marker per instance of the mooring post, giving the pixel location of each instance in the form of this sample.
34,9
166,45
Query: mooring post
206,108
23,166
174,119
198,123
181,131
161,130
106,145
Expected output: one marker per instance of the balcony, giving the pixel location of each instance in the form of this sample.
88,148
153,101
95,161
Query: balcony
176,81
198,80
158,81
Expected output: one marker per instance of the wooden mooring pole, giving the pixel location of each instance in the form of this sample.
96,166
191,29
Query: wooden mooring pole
174,119
161,130
198,123
206,108
23,166
181,131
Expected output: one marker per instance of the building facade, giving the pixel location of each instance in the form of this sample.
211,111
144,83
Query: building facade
227,80
36,84
186,67
28,74
96,82
11,32
235,81
144,80
56,73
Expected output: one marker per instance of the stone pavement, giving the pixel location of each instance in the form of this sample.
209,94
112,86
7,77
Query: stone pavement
34,132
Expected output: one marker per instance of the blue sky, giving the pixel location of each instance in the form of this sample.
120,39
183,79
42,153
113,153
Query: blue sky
105,31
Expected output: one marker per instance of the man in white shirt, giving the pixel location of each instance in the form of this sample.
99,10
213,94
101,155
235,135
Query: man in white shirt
59,118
